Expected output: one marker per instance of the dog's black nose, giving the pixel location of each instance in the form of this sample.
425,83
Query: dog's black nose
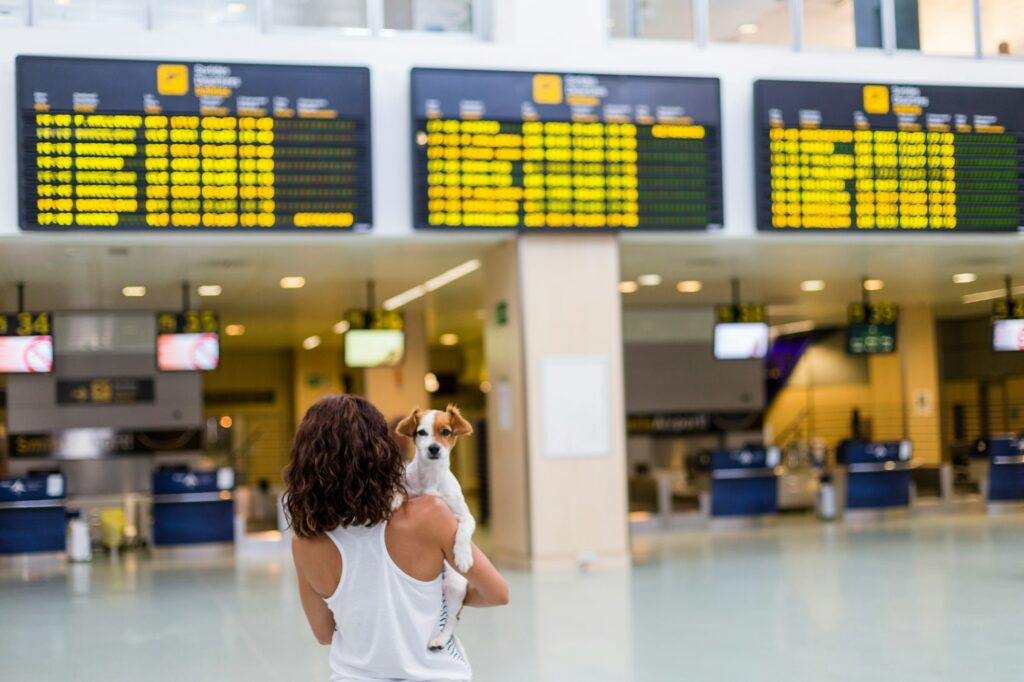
434,449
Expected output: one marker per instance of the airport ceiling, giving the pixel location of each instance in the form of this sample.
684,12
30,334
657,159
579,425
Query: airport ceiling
89,274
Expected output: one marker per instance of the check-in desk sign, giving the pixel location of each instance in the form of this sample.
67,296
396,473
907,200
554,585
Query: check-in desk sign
878,456
113,391
31,489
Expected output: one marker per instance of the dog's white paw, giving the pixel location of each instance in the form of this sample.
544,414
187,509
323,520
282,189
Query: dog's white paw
438,643
463,558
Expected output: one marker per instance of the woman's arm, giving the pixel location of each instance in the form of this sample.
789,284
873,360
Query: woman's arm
320,618
486,586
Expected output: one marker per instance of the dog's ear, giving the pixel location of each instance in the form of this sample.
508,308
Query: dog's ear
407,427
460,426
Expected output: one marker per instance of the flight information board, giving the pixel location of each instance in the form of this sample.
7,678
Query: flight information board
866,157
502,149
144,145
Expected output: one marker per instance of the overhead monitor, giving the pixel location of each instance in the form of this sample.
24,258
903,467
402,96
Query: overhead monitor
1008,335
188,341
26,343
157,146
566,151
741,340
874,157
374,347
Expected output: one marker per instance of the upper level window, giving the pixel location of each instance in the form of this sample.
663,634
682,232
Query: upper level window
65,11
212,12
435,16
935,26
671,19
320,13
842,24
1002,27
765,22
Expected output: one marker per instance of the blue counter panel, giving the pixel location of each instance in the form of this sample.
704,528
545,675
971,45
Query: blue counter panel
30,529
191,523
878,489
1006,483
744,496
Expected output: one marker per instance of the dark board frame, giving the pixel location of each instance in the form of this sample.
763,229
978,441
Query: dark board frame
357,227
761,162
476,229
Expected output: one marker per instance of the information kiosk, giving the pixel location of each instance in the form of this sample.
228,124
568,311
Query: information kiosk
193,507
32,516
744,482
1006,470
878,475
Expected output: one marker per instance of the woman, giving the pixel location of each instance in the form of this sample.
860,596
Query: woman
369,577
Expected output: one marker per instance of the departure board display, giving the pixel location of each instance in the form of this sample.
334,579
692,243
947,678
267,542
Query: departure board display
519,150
187,146
871,157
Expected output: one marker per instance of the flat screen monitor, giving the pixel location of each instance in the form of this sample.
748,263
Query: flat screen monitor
1008,335
26,354
187,352
374,347
741,340
870,339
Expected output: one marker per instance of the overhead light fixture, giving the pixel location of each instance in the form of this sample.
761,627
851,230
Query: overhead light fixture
812,285
450,276
433,284
649,280
990,295
689,286
236,7
430,382
293,282
628,287
449,339
133,291
234,329
747,29
964,278
210,290
311,342
396,302
342,327
873,285
485,386
226,421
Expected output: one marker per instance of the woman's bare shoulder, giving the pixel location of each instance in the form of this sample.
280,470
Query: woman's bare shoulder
426,514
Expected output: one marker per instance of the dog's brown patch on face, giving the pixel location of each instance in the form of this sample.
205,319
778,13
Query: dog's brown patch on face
449,425
407,427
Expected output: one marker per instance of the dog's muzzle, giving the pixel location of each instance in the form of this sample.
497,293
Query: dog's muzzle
434,452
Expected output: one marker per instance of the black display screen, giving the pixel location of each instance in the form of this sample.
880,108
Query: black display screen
888,158
524,150
145,145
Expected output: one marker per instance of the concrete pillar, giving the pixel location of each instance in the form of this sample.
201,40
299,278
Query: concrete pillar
553,348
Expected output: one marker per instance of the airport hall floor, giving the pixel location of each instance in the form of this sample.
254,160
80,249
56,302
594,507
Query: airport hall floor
936,597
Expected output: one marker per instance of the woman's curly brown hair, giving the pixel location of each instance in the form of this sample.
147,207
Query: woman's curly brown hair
345,468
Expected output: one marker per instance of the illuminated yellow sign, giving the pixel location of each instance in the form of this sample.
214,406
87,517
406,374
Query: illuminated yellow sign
876,99
172,79
547,88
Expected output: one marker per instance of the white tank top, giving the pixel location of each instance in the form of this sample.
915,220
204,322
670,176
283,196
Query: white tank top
385,617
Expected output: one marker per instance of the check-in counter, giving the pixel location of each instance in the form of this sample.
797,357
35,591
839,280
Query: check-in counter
878,475
32,514
193,507
1006,470
744,482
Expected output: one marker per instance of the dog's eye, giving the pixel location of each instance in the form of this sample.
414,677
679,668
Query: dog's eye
446,432
421,432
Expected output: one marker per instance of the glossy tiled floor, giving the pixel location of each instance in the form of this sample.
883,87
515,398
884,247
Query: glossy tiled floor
936,598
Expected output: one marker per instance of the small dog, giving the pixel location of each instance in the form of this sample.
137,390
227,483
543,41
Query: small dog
429,473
